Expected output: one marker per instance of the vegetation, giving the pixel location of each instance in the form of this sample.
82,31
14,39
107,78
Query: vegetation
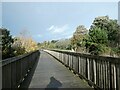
56,44
15,46
111,27
103,38
78,38
23,45
104,34
6,42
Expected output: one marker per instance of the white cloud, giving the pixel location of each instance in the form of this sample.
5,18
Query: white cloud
39,35
51,27
56,29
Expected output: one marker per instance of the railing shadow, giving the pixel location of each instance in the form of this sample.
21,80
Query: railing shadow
53,84
25,84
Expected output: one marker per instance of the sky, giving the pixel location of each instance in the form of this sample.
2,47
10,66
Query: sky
53,20
0,14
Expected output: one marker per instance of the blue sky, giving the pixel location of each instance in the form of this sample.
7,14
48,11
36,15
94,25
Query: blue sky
0,14
47,21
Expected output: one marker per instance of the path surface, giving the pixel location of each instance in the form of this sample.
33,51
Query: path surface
50,73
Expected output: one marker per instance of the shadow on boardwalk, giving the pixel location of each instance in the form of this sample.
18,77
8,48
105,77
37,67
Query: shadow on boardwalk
54,84
25,84
52,75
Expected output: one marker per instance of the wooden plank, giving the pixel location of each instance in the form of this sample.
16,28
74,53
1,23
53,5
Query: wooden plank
13,75
6,76
97,74
88,69
84,65
79,66
94,69
117,77
103,67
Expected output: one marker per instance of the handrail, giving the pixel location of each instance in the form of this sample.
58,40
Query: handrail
108,58
12,59
14,70
102,72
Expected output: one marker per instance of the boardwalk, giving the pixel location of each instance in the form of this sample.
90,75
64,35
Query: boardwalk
50,73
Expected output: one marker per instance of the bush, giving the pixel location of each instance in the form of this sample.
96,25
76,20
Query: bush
98,49
116,51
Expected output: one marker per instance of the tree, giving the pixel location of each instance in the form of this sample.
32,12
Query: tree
104,33
113,33
24,43
100,22
54,41
78,36
17,46
110,26
6,42
97,38
63,44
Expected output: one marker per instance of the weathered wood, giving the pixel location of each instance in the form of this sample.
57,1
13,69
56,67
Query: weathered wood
88,69
50,74
94,67
118,77
103,72
14,69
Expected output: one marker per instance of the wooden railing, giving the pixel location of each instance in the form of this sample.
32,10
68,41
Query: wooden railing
100,72
14,70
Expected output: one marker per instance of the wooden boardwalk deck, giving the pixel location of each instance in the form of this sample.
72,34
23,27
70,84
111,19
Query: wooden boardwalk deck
50,73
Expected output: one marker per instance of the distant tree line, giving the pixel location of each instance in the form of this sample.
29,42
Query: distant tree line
64,44
14,46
